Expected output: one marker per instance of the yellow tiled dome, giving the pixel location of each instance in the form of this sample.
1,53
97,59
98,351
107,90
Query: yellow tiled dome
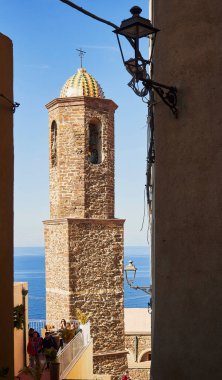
81,84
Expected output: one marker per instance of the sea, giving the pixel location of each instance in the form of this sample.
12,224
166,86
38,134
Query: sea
29,266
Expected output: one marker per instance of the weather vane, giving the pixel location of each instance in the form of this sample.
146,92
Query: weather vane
81,54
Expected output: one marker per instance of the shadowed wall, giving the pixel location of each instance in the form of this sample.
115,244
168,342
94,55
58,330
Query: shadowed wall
187,266
6,206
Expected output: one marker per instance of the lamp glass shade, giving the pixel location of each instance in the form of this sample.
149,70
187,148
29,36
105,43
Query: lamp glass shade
136,26
130,271
136,30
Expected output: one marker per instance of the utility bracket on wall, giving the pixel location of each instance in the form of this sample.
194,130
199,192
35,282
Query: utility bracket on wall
14,104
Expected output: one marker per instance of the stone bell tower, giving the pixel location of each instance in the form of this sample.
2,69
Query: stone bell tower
83,240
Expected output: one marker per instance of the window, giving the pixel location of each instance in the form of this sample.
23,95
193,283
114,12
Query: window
54,143
95,143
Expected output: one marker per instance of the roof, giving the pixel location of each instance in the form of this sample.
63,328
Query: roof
82,84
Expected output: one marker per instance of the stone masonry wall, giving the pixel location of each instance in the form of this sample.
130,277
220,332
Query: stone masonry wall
84,244
139,373
96,281
57,270
67,177
144,343
138,369
110,364
77,188
99,179
84,269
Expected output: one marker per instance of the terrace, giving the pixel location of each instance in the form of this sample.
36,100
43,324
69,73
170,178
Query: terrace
75,358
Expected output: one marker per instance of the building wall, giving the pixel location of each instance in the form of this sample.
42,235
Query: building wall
19,342
6,205
89,276
84,247
83,368
114,364
187,337
57,270
138,345
78,188
96,245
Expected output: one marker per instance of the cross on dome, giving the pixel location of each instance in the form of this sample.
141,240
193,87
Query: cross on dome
81,54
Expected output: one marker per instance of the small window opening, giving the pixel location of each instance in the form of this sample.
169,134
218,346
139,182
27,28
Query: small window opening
95,144
54,143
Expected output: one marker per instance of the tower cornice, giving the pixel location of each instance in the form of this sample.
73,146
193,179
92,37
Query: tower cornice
83,101
85,221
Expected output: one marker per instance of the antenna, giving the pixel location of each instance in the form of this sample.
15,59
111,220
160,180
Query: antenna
81,54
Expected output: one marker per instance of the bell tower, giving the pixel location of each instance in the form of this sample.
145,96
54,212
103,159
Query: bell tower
83,240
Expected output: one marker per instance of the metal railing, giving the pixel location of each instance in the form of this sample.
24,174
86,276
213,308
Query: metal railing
37,325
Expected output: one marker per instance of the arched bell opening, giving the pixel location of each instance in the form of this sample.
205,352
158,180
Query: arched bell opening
95,142
54,143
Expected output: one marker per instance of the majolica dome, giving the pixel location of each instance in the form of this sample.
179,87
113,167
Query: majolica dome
81,84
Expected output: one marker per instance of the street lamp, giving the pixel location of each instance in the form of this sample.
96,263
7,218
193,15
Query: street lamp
130,273
134,29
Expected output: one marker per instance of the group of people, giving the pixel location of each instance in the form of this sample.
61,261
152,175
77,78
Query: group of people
73,325
37,346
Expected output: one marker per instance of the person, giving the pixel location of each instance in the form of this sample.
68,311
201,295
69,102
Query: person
72,325
63,324
68,326
126,375
77,327
48,342
31,331
34,349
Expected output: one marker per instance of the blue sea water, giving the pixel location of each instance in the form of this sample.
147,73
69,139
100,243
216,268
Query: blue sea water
29,266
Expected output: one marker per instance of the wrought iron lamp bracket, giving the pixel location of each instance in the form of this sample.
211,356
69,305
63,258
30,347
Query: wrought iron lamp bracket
168,94
145,289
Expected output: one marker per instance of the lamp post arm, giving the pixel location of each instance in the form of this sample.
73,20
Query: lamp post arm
145,289
87,13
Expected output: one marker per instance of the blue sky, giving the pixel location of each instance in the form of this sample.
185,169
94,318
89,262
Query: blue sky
45,34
